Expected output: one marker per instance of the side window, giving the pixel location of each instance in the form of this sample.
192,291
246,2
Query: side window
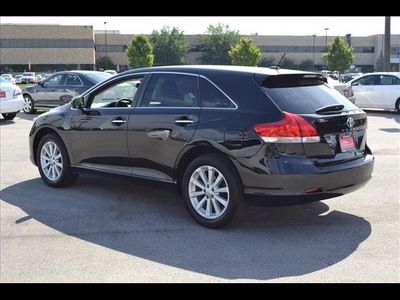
171,90
119,94
387,80
54,80
367,80
211,96
71,79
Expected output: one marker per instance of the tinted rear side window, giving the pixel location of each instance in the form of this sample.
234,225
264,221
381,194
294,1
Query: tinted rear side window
212,97
302,94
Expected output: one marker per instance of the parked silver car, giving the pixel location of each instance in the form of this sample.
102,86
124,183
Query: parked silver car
59,89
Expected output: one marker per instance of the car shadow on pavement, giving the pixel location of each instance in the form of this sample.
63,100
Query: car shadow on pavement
153,224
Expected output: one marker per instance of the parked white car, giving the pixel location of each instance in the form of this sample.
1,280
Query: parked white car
113,72
29,77
18,79
377,90
9,78
344,88
11,99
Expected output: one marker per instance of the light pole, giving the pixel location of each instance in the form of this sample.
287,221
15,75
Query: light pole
326,38
326,44
313,52
105,38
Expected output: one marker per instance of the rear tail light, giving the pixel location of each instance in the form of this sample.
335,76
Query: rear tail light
348,93
291,129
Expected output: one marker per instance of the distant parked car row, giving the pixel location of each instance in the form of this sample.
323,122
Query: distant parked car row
26,77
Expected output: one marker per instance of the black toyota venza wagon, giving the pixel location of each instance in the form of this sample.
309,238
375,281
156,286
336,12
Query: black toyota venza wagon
222,135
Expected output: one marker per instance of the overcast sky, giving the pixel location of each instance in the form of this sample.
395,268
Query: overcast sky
356,26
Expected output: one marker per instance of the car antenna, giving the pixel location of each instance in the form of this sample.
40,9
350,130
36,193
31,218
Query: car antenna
277,66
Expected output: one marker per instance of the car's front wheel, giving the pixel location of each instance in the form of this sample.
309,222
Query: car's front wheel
212,190
29,107
53,162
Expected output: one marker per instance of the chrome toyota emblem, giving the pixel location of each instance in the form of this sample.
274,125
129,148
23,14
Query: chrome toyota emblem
350,122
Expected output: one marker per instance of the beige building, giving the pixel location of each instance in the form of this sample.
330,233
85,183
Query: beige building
49,48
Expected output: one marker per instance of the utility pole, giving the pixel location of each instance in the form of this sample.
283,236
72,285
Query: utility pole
387,45
105,38
313,52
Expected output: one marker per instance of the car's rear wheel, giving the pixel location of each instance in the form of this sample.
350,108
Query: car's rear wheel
9,116
53,162
29,107
212,190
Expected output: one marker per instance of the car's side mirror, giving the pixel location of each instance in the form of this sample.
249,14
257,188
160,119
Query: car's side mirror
77,103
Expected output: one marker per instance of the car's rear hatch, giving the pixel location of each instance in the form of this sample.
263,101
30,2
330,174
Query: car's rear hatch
317,122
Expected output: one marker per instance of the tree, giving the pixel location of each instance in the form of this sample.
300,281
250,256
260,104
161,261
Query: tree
140,52
216,43
379,64
245,53
105,63
288,63
169,46
306,65
267,62
339,55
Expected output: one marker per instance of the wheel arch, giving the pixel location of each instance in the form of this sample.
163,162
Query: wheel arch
195,152
397,105
39,135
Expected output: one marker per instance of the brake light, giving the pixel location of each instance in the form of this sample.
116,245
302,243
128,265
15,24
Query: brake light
291,129
2,94
348,93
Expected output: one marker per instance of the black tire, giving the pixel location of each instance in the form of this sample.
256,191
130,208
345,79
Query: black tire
53,162
29,107
9,116
398,105
211,207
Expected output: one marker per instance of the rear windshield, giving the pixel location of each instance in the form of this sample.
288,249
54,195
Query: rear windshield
302,93
98,76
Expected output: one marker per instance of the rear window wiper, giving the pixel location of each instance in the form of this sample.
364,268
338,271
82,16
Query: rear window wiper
333,107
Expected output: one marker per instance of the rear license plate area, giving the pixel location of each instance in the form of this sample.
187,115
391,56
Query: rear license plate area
347,143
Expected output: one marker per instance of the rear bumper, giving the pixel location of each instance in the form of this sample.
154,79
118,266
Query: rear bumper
316,183
11,106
